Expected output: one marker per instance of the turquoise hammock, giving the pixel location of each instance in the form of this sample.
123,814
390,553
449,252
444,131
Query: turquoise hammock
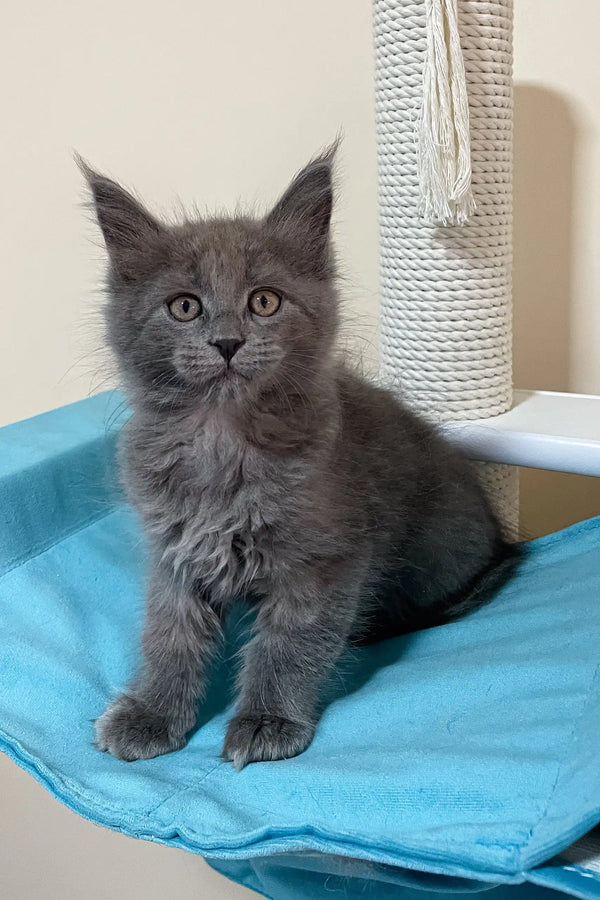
458,759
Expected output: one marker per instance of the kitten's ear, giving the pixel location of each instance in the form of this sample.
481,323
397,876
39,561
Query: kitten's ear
131,234
303,214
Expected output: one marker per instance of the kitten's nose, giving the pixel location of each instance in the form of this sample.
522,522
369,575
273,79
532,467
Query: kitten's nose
228,347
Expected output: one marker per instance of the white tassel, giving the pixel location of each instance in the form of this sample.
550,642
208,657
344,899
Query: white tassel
444,148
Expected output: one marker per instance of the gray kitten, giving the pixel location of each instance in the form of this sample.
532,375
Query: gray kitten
262,467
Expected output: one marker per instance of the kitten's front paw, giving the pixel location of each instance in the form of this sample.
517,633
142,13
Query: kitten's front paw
130,731
262,738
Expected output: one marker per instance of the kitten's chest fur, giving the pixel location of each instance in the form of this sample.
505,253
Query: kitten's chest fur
213,504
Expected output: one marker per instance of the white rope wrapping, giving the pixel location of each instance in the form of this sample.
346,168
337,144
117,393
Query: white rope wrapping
501,484
446,316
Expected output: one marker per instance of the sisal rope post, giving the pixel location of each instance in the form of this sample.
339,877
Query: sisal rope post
444,109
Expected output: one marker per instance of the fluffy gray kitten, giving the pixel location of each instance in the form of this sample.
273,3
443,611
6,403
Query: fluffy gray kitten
261,467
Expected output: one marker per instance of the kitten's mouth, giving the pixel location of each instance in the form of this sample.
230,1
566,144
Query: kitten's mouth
225,378
230,372
229,375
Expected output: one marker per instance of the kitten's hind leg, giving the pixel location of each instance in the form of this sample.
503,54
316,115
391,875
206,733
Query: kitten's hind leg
159,708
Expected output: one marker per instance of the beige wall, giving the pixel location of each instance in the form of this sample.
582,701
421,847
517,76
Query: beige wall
557,229
213,102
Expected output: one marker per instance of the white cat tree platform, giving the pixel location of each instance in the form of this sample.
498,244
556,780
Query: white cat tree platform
543,429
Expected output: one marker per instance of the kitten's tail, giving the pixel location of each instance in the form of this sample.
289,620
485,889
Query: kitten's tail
502,568
480,591
385,622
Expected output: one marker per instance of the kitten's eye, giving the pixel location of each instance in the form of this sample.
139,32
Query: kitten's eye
264,302
185,308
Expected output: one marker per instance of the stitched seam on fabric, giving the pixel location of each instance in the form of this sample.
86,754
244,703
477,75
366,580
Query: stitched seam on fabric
564,762
188,786
80,526
262,839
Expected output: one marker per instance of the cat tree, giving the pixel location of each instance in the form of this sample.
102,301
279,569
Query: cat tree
444,108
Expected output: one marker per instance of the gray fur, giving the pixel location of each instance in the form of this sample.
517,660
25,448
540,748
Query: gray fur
280,476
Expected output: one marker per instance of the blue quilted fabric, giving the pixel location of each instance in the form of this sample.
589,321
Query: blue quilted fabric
467,752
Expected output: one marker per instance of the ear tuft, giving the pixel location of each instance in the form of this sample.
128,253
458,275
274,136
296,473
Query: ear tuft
130,232
303,214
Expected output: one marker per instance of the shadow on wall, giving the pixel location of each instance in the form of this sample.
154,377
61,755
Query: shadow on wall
545,138
545,146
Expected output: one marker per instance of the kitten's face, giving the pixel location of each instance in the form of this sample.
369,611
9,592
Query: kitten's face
220,309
